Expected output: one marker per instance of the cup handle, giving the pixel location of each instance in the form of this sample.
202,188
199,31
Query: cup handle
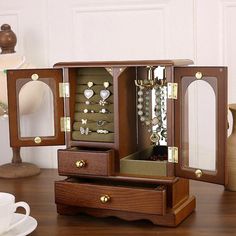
27,212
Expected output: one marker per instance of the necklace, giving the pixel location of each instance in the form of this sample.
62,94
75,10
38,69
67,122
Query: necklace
151,104
4,70
153,117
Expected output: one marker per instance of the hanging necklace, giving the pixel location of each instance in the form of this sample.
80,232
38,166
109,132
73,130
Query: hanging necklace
151,106
155,123
4,70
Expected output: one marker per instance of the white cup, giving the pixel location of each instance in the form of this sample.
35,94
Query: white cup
7,209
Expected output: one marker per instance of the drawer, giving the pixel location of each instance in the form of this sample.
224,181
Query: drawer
138,163
85,162
122,198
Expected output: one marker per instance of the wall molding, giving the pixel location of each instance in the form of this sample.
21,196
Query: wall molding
146,7
123,8
225,6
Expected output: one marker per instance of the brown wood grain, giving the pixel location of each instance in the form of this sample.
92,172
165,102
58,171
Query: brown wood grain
174,62
215,213
97,162
130,199
16,79
177,192
220,89
171,219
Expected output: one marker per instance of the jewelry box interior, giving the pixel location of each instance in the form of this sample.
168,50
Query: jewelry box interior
140,105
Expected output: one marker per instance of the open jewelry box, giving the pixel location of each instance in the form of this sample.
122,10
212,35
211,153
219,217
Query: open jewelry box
135,132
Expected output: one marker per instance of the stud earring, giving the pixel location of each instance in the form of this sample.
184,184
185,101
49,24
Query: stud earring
84,121
104,94
85,131
88,93
104,111
88,111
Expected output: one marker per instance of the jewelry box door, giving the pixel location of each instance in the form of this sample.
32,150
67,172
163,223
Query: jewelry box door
35,107
201,123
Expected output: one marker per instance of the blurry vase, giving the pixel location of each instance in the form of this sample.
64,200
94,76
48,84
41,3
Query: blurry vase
231,153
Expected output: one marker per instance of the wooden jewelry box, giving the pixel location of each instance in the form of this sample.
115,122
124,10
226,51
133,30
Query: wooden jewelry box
135,132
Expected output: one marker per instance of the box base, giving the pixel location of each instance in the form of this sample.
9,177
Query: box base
172,218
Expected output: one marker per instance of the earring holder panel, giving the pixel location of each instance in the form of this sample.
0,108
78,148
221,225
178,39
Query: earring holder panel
122,103
94,110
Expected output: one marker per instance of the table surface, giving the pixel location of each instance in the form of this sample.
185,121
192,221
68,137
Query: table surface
215,213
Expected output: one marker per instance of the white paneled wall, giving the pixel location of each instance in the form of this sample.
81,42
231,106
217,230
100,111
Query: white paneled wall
50,31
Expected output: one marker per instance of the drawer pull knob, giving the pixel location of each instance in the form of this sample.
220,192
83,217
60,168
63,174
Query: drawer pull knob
105,199
80,164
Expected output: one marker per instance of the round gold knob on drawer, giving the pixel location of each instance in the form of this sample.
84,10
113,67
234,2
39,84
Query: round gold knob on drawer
198,173
105,199
80,164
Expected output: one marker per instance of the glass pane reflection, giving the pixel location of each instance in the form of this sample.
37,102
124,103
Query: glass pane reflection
36,110
199,125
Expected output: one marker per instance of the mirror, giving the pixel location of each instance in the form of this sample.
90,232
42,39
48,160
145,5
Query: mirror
159,106
199,124
35,110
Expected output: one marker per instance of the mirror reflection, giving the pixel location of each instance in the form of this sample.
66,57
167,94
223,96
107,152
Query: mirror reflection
36,110
199,125
159,106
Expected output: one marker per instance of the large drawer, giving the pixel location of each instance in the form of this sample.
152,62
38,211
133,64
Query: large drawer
85,162
122,198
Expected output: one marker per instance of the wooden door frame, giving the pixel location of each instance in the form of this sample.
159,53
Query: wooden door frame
13,92
218,176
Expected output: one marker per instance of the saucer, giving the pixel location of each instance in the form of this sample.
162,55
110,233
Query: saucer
23,229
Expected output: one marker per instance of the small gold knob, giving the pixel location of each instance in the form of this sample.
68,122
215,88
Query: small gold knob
105,199
37,140
80,164
34,77
198,173
198,75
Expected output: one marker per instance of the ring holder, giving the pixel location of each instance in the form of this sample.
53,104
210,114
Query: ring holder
95,85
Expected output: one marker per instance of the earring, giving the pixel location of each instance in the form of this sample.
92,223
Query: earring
85,131
104,94
88,93
84,121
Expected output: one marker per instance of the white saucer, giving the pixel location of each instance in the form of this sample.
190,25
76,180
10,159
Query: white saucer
23,229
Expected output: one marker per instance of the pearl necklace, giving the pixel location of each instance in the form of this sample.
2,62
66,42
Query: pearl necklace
156,124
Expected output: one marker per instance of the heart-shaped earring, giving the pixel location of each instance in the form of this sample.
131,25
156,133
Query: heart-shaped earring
88,93
104,94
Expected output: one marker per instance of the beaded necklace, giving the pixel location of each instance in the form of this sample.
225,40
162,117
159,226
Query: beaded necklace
151,107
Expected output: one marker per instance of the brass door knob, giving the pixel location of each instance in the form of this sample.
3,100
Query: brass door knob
80,164
198,173
105,199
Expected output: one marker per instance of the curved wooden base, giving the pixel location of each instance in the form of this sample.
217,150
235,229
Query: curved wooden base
18,170
173,217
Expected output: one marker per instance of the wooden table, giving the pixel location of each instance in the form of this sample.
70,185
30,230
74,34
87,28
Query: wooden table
215,213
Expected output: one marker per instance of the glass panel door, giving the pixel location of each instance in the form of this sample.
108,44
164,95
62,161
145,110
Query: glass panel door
200,133
35,107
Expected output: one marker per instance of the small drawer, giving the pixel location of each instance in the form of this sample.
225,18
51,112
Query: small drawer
85,162
130,199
